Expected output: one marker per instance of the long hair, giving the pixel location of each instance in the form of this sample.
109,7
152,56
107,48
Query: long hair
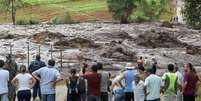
190,66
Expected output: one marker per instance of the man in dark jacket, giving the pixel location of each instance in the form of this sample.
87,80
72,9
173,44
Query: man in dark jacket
35,65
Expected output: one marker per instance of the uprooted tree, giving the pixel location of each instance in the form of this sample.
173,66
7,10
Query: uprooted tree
192,12
122,9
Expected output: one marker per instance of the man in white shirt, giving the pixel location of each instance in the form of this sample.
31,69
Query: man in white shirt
4,78
153,84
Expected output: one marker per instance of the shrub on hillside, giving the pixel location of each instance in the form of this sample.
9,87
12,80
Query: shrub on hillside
66,19
26,22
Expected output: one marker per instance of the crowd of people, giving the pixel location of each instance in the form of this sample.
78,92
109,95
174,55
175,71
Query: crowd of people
92,83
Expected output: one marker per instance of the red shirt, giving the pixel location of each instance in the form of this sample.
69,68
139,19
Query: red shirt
191,79
94,81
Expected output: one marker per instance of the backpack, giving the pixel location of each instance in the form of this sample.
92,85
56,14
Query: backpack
73,86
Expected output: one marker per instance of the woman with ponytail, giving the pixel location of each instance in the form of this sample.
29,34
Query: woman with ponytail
24,82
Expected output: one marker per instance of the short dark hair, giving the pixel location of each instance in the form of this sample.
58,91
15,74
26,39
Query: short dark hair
1,63
38,57
73,71
99,66
51,62
170,67
94,68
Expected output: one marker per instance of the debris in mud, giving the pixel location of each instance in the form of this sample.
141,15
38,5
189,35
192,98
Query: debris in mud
167,24
6,35
159,39
118,51
76,43
193,50
113,35
41,37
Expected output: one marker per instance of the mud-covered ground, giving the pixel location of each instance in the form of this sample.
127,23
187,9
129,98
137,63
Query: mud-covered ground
112,44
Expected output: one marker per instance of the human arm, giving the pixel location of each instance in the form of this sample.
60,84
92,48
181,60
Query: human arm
35,74
33,81
14,80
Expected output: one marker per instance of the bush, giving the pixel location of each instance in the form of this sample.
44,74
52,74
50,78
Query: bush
66,19
26,22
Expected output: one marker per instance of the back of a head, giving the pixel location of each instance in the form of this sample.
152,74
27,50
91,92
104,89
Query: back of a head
73,71
22,69
1,63
99,66
149,71
94,68
51,62
38,57
170,67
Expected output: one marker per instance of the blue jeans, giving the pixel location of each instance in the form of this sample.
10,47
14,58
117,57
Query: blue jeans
93,98
119,95
3,97
48,97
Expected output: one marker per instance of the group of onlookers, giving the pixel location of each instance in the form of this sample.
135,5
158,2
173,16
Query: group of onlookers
133,83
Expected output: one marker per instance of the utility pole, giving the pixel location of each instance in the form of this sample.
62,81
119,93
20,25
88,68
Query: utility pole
28,53
61,57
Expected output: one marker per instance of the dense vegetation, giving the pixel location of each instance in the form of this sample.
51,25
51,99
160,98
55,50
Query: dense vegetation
192,12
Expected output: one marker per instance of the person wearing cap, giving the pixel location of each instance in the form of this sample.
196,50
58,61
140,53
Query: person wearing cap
153,85
128,77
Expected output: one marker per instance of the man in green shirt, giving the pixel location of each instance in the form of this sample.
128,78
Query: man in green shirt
170,84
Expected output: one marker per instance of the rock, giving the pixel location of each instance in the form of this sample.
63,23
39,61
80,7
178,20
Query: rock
41,37
113,35
159,39
193,50
166,24
76,43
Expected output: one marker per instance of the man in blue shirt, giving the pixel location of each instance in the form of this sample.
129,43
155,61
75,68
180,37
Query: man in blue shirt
49,77
35,65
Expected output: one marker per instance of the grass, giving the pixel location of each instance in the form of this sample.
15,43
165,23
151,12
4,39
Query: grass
45,10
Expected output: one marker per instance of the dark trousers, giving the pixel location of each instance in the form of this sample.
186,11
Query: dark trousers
24,95
189,98
48,97
129,96
104,96
154,100
36,90
73,98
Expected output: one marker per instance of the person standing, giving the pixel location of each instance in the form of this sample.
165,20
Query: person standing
153,84
180,80
190,85
22,82
35,65
118,88
93,83
4,79
139,90
128,76
49,77
12,68
170,84
104,82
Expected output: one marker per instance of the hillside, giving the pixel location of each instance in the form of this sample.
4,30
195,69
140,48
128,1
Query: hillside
81,10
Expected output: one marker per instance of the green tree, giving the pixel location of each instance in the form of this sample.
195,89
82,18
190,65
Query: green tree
122,9
11,6
192,12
